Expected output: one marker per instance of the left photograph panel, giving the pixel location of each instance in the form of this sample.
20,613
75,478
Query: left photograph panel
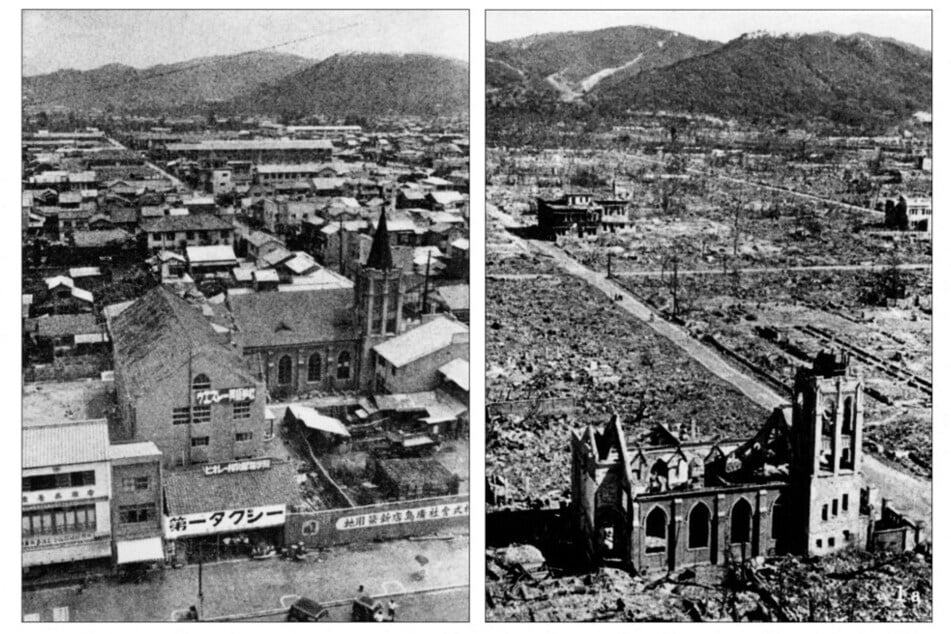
245,306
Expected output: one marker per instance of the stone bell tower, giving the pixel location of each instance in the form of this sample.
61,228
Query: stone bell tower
825,473
379,290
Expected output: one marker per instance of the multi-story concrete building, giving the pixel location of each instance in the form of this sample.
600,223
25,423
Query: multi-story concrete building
182,386
188,230
86,499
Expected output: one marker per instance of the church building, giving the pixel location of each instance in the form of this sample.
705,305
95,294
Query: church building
673,501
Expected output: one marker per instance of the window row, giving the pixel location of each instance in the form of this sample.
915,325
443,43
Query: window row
202,413
70,519
59,481
698,525
137,483
137,514
204,441
285,368
835,507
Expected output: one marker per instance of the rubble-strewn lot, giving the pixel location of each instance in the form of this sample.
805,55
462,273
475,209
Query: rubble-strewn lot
557,337
745,312
851,586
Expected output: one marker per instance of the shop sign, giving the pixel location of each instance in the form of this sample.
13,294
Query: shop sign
404,516
224,468
234,395
49,541
228,521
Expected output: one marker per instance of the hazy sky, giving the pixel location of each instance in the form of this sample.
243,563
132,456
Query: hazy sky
909,26
87,39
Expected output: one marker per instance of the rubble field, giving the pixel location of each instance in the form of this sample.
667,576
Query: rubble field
777,321
555,337
852,586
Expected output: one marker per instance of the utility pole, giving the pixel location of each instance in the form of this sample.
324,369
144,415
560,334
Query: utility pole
201,591
429,256
340,240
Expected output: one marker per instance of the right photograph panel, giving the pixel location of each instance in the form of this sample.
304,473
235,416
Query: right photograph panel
709,316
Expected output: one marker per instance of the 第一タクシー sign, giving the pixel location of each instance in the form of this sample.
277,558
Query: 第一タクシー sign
223,521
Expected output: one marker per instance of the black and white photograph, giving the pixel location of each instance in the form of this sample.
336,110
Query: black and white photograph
708,316
245,315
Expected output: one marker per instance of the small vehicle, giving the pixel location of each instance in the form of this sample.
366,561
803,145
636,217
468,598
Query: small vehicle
306,610
366,608
263,551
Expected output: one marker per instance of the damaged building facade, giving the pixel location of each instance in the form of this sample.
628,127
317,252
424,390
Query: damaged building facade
672,501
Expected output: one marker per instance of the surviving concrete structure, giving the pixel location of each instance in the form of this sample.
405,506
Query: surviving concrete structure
674,501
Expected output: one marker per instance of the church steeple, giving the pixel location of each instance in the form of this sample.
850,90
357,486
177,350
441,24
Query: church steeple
380,257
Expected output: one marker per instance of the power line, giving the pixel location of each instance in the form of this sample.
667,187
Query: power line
217,59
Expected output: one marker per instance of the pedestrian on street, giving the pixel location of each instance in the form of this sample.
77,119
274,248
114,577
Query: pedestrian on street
391,609
360,592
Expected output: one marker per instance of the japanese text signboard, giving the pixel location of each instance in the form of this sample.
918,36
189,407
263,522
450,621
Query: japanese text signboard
223,468
404,516
234,395
228,521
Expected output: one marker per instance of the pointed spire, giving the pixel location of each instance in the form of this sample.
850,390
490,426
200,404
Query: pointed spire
380,257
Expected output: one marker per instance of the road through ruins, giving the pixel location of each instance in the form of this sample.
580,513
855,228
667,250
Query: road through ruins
908,494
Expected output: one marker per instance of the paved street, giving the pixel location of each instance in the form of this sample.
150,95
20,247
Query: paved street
244,586
440,605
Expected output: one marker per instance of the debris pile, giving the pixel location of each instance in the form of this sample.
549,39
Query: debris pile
854,586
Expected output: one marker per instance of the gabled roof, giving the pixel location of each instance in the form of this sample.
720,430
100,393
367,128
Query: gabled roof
420,341
190,491
65,444
191,222
457,371
63,325
211,253
276,319
155,337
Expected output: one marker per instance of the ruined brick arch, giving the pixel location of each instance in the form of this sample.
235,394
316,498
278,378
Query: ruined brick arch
780,526
741,522
776,511
698,526
848,415
655,530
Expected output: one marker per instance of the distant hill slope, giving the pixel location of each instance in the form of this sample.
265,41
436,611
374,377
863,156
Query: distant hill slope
847,79
160,88
574,63
367,85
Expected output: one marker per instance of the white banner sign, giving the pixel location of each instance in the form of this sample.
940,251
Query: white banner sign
234,395
404,516
222,468
223,521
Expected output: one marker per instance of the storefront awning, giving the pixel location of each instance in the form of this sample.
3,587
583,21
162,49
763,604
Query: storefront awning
136,550
315,420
